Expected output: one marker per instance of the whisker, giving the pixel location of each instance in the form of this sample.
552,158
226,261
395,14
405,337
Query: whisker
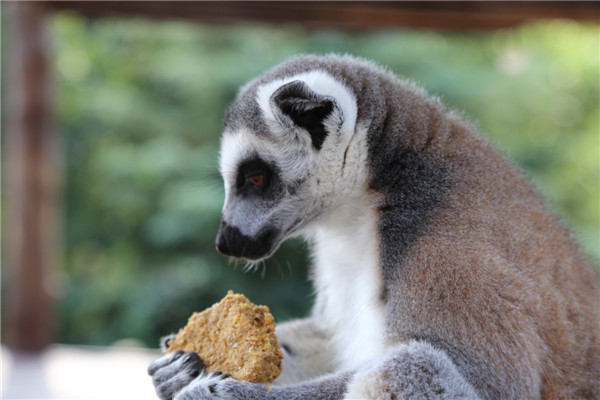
278,264
264,269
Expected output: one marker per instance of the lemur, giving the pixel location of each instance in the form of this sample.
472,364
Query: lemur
439,272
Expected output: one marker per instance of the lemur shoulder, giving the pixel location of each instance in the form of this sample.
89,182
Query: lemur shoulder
439,272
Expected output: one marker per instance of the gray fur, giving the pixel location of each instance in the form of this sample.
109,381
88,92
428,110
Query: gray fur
463,285
416,371
173,372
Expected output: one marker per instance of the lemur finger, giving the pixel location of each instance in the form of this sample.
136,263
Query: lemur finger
164,361
232,389
164,341
167,389
204,387
176,375
188,363
195,365
219,375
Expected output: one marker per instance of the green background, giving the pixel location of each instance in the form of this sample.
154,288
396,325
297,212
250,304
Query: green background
140,106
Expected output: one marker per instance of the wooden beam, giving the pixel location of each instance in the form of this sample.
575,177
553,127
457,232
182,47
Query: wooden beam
31,188
443,15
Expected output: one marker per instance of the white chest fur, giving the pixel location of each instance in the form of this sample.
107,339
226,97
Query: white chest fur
348,282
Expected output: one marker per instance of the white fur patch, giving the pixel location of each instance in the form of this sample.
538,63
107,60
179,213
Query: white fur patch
235,146
348,283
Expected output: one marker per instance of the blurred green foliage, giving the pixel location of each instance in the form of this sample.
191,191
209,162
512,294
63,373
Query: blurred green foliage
140,105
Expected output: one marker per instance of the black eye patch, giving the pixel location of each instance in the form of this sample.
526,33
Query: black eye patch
255,176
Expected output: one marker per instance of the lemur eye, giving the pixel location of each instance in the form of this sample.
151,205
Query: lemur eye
257,180
254,176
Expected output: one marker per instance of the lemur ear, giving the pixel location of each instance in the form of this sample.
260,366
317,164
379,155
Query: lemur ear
306,108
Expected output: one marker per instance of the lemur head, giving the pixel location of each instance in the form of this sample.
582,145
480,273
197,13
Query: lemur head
283,158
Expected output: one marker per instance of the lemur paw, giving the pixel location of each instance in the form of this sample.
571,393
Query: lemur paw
216,386
207,386
173,372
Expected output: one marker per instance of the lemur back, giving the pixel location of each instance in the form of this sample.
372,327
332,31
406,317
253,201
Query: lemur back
439,272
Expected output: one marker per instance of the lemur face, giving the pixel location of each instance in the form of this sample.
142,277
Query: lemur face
279,160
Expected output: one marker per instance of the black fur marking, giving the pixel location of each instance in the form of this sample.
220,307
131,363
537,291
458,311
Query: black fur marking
271,189
213,388
344,161
287,349
252,167
414,186
306,108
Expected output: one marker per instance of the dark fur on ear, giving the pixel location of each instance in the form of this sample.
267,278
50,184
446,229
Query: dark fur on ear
306,108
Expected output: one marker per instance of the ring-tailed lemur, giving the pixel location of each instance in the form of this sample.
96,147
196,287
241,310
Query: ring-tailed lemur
439,273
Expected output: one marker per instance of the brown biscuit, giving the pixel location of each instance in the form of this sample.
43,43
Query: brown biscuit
234,337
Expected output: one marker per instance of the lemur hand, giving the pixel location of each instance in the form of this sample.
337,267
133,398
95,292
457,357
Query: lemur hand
173,372
216,386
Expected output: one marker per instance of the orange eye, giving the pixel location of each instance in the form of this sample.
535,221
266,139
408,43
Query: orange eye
257,180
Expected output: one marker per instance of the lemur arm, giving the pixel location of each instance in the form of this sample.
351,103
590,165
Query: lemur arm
306,351
412,371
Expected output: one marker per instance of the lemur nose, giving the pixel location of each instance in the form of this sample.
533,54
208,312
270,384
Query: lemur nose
231,242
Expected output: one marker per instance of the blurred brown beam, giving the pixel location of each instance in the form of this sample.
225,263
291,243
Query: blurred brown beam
31,182
467,15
